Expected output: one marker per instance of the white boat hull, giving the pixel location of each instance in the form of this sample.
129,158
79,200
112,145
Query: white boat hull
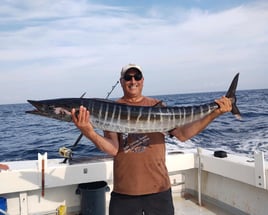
234,184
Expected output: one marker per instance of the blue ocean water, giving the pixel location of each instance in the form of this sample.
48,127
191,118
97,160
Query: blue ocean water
23,135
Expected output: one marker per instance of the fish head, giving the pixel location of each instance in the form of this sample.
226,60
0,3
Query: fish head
59,109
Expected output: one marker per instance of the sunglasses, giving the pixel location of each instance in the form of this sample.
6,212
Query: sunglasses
137,77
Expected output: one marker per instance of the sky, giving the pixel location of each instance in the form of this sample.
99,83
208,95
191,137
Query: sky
55,49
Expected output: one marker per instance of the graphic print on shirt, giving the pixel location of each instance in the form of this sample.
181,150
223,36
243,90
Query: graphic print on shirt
135,142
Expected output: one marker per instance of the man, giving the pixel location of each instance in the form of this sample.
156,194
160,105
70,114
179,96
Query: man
141,181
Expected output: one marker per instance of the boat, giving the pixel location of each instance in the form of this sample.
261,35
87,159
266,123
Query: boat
203,182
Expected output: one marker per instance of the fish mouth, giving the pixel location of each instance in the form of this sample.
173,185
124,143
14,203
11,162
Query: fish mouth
50,111
38,110
35,111
37,106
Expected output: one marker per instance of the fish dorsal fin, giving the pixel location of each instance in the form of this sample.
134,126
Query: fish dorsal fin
159,104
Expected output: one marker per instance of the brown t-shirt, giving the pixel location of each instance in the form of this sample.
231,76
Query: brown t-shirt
139,166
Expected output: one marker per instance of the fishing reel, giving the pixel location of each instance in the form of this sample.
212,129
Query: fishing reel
66,153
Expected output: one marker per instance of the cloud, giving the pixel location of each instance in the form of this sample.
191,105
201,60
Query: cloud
68,47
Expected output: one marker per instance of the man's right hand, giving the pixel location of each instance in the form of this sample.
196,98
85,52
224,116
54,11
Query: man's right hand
82,120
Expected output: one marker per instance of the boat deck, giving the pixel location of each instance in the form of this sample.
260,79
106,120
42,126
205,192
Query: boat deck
190,207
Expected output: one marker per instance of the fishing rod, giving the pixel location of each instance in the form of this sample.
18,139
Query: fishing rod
67,152
113,87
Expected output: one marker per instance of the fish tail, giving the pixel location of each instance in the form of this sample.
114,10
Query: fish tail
231,94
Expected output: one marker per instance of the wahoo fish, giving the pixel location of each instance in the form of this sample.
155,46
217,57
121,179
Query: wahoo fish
111,116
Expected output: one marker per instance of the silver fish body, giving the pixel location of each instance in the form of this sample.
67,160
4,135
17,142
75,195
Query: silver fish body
139,119
112,116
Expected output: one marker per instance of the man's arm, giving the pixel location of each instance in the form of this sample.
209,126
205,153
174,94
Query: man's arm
108,143
190,130
3,167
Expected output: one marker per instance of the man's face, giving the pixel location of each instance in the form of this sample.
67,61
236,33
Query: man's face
132,83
